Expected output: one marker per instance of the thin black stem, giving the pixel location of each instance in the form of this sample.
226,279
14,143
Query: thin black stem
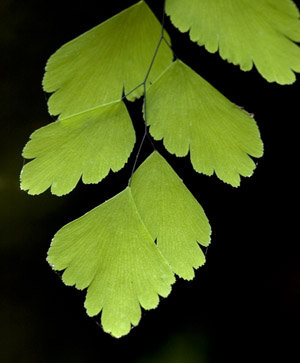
138,154
145,119
170,46
144,84
127,94
206,250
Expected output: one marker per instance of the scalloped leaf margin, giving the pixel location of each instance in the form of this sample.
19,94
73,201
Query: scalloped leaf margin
190,115
111,250
246,32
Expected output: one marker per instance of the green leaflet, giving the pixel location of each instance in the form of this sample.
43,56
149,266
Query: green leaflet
111,250
93,69
245,32
171,214
190,115
88,144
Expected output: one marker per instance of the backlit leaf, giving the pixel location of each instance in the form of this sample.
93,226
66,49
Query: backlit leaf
110,252
94,68
245,32
85,145
190,115
171,214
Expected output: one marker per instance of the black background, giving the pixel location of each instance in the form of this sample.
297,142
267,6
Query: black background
243,304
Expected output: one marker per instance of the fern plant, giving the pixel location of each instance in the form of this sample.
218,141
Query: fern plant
127,251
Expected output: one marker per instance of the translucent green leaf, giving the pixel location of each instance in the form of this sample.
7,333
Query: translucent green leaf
94,68
88,144
245,32
171,214
190,115
110,252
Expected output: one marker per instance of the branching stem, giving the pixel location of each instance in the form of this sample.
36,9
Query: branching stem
144,84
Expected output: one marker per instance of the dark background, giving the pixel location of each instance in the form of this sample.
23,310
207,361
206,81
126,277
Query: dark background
243,304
